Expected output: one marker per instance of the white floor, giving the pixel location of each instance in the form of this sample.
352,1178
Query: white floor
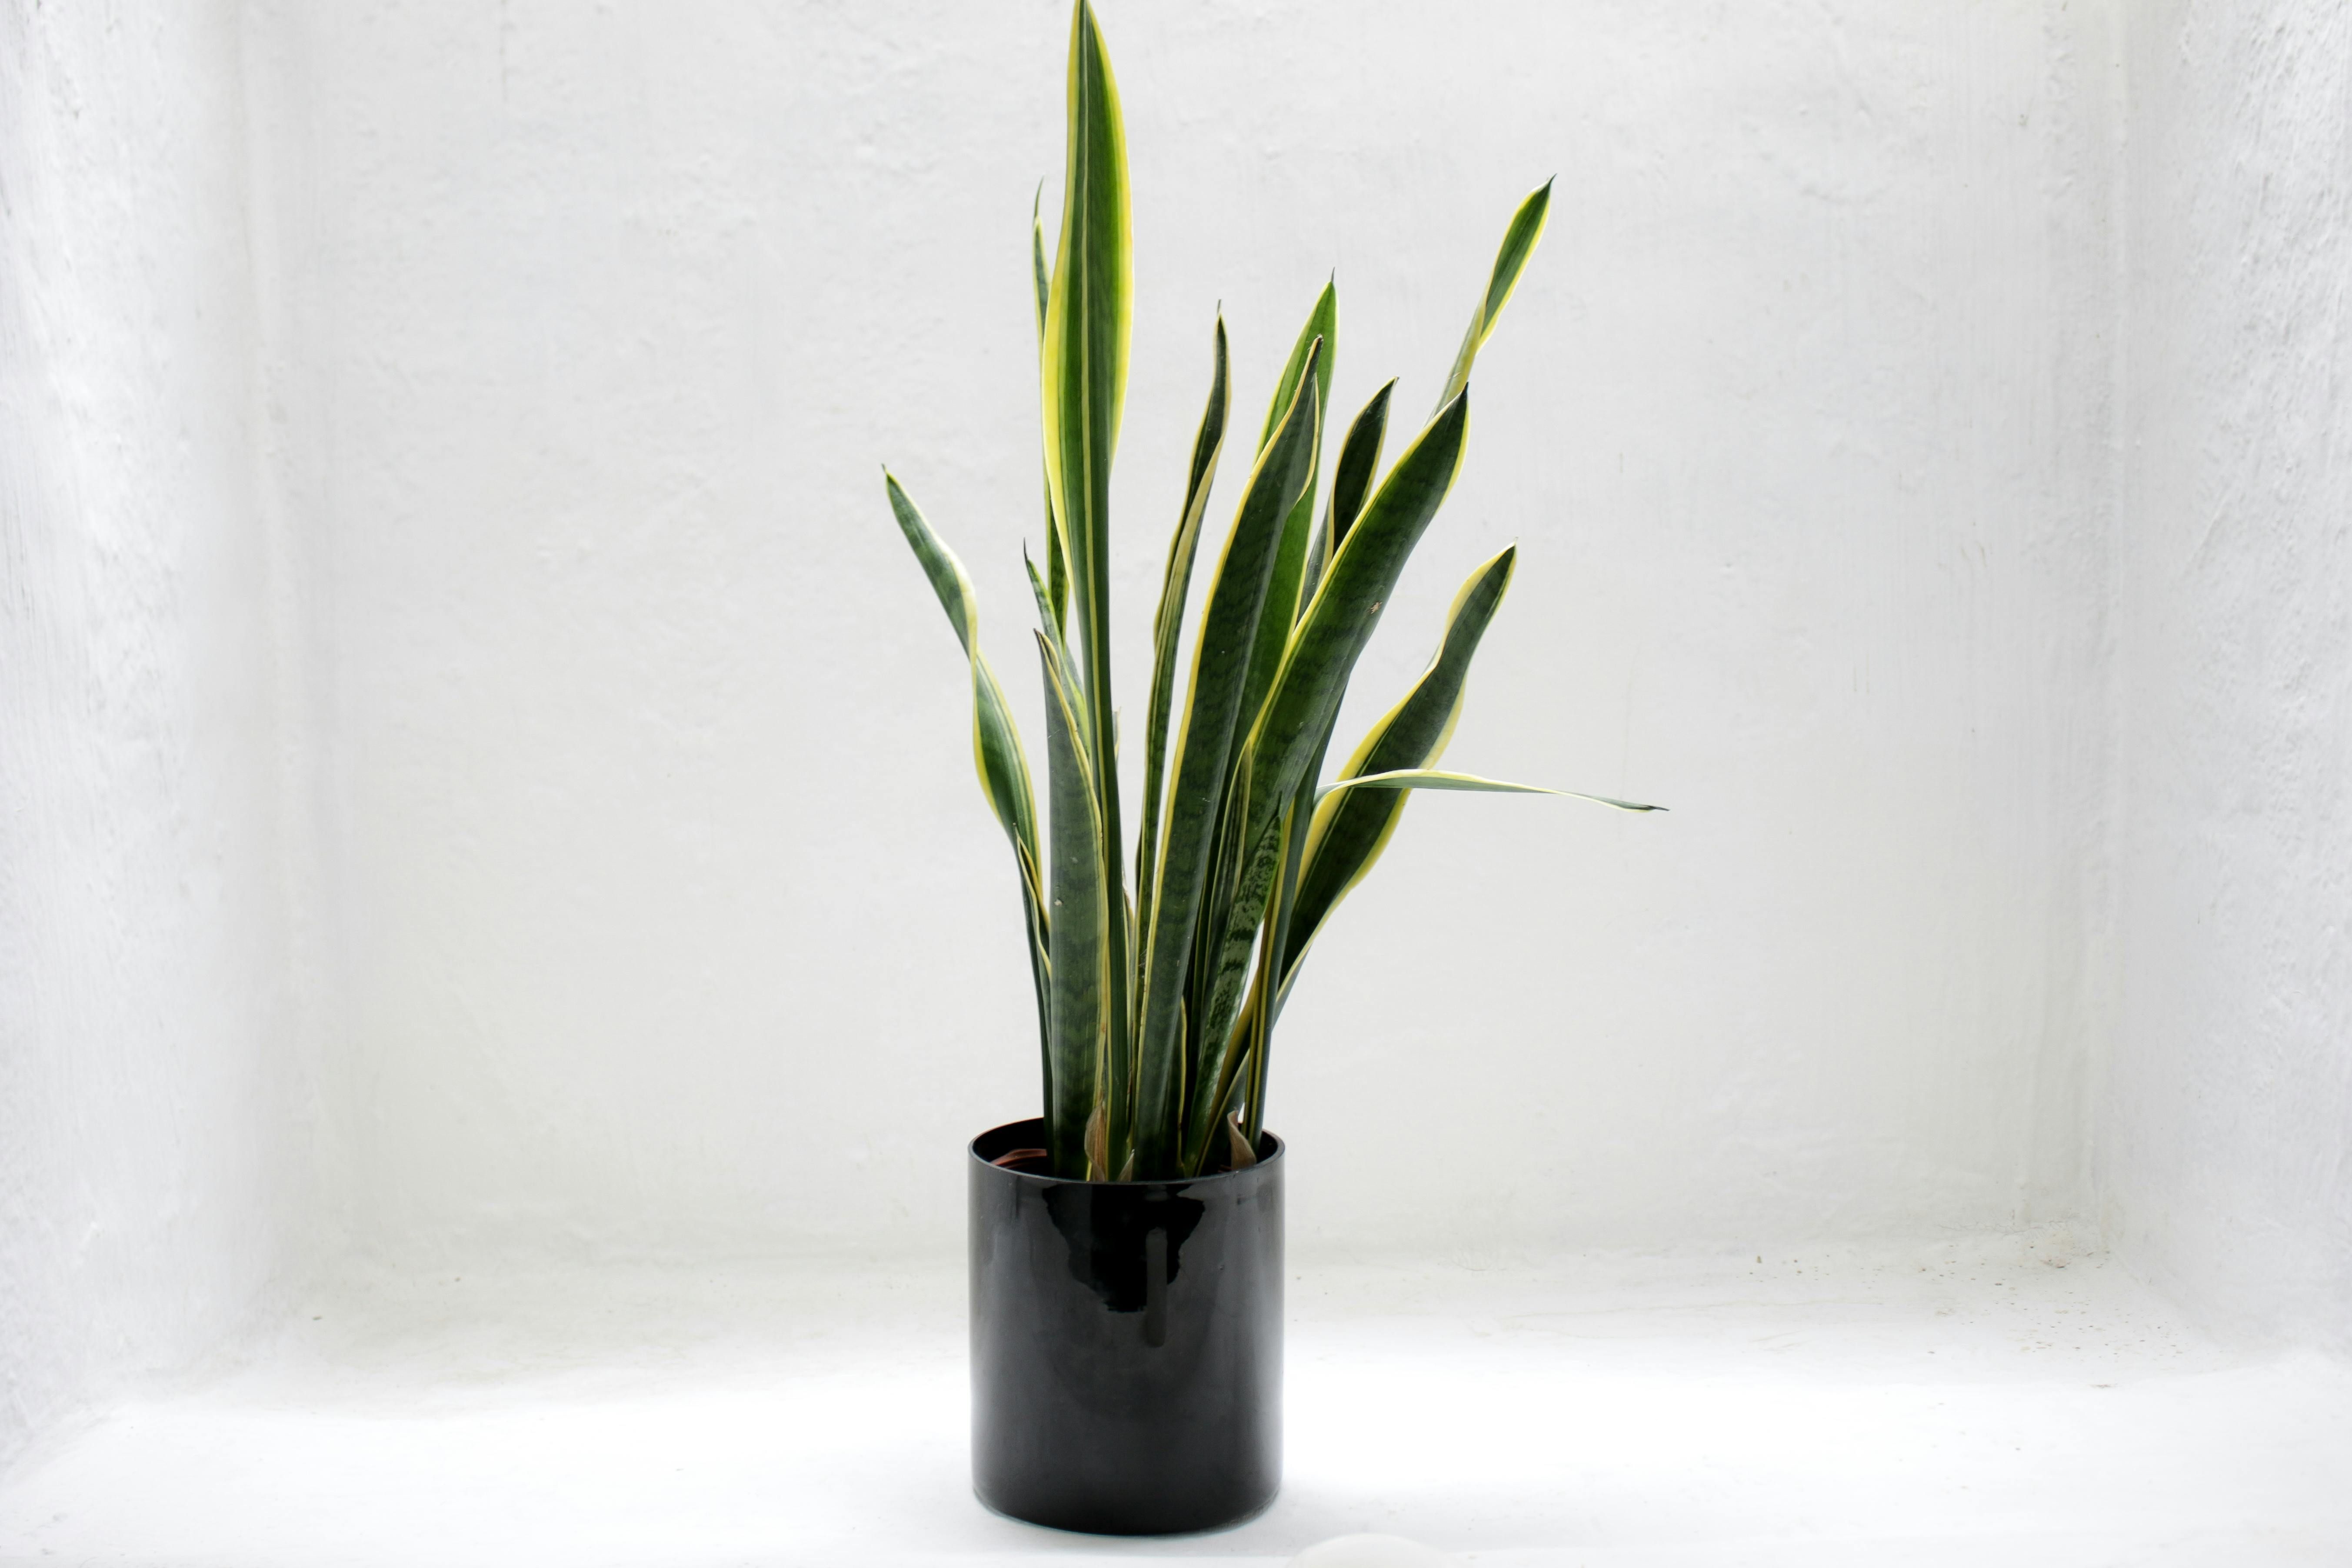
1986,1402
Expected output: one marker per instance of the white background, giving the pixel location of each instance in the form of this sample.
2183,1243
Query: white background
485,782
674,920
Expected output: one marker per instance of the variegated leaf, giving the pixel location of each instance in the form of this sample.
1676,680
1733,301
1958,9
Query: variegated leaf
1168,624
1080,919
1083,386
1204,749
1298,716
1518,244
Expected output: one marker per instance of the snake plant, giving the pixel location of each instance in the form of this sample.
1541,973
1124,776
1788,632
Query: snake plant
1156,1009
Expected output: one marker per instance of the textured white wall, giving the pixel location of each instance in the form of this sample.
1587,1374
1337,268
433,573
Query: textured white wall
2227,1120
672,919
474,414
152,1175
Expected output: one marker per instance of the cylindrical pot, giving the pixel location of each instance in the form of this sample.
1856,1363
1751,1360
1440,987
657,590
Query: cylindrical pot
1126,1344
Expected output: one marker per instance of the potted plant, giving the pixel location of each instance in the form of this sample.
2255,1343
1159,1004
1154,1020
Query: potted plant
1126,1246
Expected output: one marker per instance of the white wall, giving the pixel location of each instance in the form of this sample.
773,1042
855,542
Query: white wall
453,631
2227,1155
152,1174
673,921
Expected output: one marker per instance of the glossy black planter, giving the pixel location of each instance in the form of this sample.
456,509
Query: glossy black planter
1126,1344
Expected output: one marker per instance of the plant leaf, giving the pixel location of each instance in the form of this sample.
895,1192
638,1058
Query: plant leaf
1052,630
996,743
1084,355
1205,749
1097,1145
1266,1006
1403,779
997,752
1359,812
1083,385
1518,243
1322,322
1282,591
1306,699
1437,778
1168,623
1238,1153
1347,607
1350,832
1057,566
1037,259
1080,919
1352,477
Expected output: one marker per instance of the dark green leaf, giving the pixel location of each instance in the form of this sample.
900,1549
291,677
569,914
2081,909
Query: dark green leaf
1283,589
1079,915
1168,624
1518,244
1204,752
1084,365
1298,716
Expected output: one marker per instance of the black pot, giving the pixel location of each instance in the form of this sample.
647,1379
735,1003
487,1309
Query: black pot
1126,1344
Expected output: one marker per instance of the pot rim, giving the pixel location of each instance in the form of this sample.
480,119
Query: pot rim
971,1149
